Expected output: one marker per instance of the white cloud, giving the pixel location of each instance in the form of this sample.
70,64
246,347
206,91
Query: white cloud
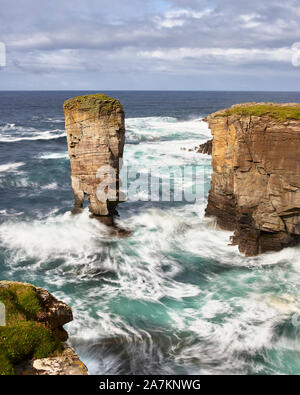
33,41
249,20
248,17
231,55
179,17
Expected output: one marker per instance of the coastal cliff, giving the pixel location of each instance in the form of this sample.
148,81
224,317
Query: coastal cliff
95,134
32,337
255,186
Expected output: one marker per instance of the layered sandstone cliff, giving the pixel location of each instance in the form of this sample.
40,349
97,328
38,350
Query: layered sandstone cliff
32,337
255,187
95,134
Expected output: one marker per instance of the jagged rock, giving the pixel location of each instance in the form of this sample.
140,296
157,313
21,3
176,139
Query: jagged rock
205,148
53,313
95,133
33,333
255,187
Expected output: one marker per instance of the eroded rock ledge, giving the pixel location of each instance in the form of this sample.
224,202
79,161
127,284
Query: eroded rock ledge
95,133
255,187
32,337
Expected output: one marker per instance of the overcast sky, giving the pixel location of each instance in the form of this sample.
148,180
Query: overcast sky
150,44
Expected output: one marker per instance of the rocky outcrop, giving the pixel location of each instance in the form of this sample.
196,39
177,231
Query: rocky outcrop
205,148
32,337
67,363
95,134
255,187
53,313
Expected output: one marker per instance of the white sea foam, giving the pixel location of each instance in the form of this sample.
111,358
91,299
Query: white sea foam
53,120
51,186
164,128
54,155
12,127
32,135
52,238
11,167
10,213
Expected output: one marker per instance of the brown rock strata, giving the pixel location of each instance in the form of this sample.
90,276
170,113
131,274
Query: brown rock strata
255,187
95,134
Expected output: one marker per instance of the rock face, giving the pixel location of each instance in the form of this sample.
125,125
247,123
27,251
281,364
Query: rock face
95,133
255,187
32,335
53,313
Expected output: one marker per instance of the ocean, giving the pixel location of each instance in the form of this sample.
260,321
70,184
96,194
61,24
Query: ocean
173,297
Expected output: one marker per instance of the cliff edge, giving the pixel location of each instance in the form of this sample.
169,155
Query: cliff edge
255,187
32,338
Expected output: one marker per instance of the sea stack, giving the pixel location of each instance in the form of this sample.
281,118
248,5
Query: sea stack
255,187
95,133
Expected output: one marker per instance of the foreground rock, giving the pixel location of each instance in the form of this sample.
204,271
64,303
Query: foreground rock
95,133
32,333
67,363
255,188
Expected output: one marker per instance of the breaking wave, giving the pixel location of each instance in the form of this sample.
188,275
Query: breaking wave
150,129
10,133
10,167
54,155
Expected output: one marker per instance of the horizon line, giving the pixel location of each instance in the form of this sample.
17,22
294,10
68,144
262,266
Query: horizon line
147,90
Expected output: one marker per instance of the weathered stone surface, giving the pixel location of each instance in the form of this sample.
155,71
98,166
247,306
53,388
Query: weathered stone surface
54,313
95,133
255,188
67,363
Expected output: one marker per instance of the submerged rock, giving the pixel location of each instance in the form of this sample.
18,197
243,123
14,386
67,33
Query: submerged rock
95,133
255,187
33,330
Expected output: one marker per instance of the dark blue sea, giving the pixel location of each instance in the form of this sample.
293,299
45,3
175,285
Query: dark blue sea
173,297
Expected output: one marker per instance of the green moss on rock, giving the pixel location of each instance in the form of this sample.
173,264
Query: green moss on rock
23,337
20,301
279,112
99,103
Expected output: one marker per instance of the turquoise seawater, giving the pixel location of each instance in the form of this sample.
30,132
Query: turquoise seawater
173,297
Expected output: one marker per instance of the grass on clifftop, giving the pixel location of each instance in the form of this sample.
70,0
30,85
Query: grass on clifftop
97,102
282,113
23,337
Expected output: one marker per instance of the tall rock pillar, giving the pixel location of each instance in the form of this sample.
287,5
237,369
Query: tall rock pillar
95,133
